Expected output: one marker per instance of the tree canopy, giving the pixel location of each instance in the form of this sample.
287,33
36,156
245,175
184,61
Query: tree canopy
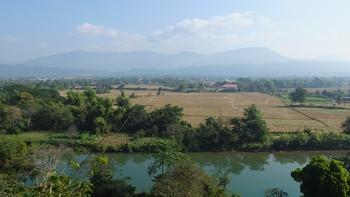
323,177
299,95
346,125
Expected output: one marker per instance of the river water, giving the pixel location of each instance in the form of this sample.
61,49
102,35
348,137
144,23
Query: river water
250,174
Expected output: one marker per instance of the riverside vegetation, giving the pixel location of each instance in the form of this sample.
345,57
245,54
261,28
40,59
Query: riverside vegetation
79,119
84,117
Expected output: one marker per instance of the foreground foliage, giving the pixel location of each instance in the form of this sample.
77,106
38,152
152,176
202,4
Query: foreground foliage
323,177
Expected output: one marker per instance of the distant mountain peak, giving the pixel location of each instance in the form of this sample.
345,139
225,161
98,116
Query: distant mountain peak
144,59
252,61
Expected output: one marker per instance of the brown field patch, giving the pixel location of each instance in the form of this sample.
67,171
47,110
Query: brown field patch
200,105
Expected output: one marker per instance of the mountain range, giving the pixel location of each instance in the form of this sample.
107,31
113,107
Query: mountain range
258,61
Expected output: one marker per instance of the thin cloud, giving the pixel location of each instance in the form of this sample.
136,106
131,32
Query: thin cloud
90,29
202,35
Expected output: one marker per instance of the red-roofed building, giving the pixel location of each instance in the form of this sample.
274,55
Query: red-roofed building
229,86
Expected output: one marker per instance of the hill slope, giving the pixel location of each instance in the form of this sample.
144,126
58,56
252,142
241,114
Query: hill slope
119,61
249,62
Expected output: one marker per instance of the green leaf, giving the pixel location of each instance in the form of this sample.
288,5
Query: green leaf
74,164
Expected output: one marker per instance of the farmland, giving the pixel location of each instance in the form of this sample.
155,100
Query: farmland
200,105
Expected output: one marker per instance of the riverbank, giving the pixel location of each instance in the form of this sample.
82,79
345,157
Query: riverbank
123,143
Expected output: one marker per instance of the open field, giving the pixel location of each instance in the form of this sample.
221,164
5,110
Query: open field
38,137
200,105
318,101
311,101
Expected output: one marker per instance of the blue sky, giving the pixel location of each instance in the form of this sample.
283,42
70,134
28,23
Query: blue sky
304,29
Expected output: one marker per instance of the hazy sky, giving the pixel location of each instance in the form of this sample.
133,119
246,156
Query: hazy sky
303,29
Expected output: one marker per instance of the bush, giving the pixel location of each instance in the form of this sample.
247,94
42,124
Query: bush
13,154
149,145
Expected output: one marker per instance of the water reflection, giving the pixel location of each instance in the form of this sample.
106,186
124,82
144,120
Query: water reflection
250,173
231,163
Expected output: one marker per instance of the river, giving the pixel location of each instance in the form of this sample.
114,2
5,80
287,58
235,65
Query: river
250,174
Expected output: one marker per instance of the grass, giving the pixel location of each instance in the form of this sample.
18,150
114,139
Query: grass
34,136
39,137
311,100
112,142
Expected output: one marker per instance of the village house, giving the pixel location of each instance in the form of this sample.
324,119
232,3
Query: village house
229,86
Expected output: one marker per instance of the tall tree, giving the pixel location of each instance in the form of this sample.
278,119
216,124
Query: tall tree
323,177
252,127
29,107
165,116
54,116
346,125
299,95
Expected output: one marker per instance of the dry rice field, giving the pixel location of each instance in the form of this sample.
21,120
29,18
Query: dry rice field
200,105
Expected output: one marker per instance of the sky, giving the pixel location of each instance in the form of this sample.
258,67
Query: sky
302,29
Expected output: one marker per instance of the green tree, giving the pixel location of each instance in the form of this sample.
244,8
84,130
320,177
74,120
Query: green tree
299,95
54,116
13,155
123,101
163,117
133,119
214,135
29,107
323,177
250,128
12,120
101,126
75,98
346,125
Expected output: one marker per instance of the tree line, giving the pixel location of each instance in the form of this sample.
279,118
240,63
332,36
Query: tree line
24,108
267,85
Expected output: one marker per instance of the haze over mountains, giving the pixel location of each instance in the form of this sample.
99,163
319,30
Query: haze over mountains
240,62
117,61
